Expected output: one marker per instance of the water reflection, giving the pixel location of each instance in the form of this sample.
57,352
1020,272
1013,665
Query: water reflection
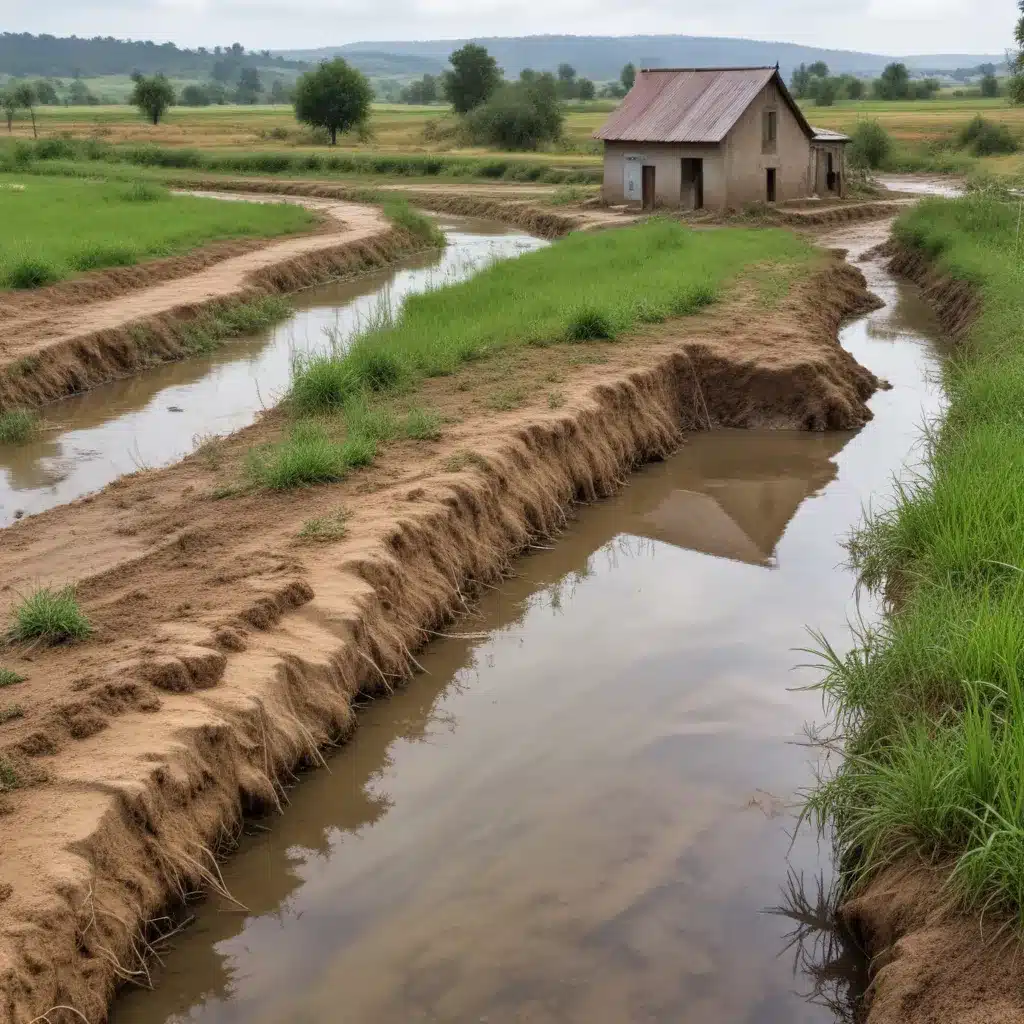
154,418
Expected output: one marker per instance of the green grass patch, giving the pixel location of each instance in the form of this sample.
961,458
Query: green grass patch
18,426
55,227
932,700
50,615
419,225
587,286
309,455
205,332
8,677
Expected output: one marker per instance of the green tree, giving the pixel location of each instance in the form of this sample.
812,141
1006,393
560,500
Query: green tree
990,86
474,78
819,69
10,105
586,90
250,88
25,96
421,92
152,96
79,95
279,93
800,82
870,145
825,91
628,76
894,83
335,96
854,88
46,94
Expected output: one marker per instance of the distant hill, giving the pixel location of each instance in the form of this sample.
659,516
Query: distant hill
51,57
602,57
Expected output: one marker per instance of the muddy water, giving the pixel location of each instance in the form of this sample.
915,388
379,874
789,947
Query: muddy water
154,418
582,810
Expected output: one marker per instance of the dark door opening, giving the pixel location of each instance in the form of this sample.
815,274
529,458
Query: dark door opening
691,195
830,173
771,185
647,185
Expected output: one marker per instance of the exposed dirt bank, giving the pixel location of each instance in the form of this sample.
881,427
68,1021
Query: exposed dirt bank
61,341
932,964
227,649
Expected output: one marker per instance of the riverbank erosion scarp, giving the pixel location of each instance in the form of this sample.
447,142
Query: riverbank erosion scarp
78,334
231,640
926,804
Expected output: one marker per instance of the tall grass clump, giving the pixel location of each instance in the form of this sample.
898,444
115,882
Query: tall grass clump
419,225
309,455
586,287
932,699
18,426
50,615
987,138
27,270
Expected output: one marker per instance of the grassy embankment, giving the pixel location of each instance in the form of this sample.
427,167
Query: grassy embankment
56,227
347,401
932,700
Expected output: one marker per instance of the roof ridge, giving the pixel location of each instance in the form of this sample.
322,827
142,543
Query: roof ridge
738,67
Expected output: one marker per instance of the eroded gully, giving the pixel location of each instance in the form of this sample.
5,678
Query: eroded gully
155,417
583,810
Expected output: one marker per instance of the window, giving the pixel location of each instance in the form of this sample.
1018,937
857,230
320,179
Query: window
771,130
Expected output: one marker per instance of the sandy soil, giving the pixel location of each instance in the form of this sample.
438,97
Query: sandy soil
227,649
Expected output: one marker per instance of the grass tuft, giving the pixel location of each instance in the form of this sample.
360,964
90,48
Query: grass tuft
589,323
422,425
28,271
8,677
18,426
11,712
464,460
307,456
9,778
51,615
326,528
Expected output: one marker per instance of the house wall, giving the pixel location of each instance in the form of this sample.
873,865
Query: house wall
821,151
746,163
666,158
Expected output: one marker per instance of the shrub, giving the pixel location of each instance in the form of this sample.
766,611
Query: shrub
18,426
145,192
520,116
9,678
589,324
51,615
31,272
870,145
55,149
986,138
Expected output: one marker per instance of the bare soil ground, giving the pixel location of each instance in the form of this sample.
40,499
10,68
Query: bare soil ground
228,649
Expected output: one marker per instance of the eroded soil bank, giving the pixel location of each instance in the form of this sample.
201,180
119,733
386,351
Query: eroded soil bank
227,650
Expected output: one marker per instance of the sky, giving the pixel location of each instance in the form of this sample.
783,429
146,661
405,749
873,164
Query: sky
876,26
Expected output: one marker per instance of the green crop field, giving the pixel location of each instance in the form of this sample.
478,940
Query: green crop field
56,227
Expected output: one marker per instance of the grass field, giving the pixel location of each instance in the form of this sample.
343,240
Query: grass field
56,227
932,703
586,288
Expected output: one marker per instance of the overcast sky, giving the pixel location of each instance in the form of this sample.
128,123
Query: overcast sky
876,26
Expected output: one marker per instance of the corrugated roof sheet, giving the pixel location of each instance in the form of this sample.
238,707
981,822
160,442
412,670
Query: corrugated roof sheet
827,135
689,104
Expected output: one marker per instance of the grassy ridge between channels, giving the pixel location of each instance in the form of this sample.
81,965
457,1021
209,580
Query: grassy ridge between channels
56,227
588,287
932,700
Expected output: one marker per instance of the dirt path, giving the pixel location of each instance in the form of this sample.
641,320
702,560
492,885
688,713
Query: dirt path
27,335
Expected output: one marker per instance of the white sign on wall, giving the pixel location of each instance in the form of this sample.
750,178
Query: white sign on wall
632,177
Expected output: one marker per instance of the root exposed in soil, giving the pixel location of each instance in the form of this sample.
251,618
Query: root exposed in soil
227,651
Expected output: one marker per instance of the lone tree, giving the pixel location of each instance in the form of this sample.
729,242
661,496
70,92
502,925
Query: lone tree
474,78
335,96
25,96
10,105
894,83
628,76
989,86
152,96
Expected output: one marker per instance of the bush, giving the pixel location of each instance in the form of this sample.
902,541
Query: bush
987,138
520,116
870,146
31,272
145,192
589,324
51,615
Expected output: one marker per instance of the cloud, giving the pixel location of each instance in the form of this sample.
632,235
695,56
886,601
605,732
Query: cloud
887,26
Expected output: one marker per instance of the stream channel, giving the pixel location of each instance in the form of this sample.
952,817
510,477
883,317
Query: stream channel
584,809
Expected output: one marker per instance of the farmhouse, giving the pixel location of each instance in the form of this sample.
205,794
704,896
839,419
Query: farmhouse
717,138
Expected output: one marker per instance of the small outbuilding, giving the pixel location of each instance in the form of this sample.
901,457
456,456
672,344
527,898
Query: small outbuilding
716,138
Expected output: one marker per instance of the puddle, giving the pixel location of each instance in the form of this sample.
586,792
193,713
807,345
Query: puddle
582,811
153,419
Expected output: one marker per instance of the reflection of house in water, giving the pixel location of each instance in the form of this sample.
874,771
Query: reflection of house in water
734,493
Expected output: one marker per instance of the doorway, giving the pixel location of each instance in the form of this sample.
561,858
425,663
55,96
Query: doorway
830,173
691,194
771,185
647,187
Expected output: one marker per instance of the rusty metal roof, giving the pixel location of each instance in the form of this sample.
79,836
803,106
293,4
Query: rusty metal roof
690,104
